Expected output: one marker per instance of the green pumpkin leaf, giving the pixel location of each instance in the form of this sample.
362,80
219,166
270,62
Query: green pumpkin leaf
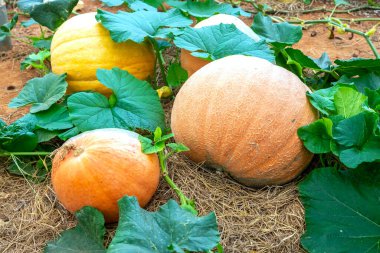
69,133
137,26
56,118
357,66
341,2
30,168
27,5
348,102
280,34
355,131
370,81
206,9
323,100
41,93
297,57
373,98
341,210
52,13
87,236
356,136
176,75
368,152
6,28
317,136
178,147
36,61
28,22
136,106
215,42
169,227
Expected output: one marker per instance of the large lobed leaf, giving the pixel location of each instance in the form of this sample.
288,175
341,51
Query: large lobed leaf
48,13
215,42
139,25
170,228
341,210
41,93
135,104
205,9
280,35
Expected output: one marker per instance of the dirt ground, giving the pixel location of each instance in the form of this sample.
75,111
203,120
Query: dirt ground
250,220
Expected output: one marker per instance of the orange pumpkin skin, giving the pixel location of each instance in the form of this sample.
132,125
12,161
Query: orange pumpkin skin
241,114
98,167
192,63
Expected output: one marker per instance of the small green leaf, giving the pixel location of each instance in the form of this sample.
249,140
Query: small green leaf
323,100
36,61
87,236
137,26
52,13
215,42
369,80
41,93
28,22
178,147
356,130
357,66
369,152
206,8
303,61
317,136
69,133
157,134
348,102
56,118
341,210
137,104
19,136
176,75
170,225
280,35
341,2
27,5
32,168
373,98
6,28
44,135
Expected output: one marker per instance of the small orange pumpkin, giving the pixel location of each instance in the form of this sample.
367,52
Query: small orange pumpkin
241,114
97,168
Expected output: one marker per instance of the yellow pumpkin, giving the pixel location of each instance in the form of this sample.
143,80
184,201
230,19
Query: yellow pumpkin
191,63
244,119
81,45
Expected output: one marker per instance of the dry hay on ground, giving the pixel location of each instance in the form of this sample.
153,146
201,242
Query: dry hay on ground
250,220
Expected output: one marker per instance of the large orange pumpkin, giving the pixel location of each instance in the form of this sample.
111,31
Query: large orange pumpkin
191,63
241,114
97,168
81,45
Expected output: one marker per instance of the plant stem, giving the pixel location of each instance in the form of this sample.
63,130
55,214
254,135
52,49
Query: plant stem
159,59
183,199
346,29
24,153
321,9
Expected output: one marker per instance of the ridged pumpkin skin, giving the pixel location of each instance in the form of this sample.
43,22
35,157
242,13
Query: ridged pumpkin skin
82,45
191,63
241,114
97,168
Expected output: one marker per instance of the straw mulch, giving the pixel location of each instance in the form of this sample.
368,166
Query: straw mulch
250,220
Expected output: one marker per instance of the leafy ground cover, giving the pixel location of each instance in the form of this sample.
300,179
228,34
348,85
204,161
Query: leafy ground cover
353,101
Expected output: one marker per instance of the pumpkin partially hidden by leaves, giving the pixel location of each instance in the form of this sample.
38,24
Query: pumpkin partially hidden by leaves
98,167
82,45
244,119
192,63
